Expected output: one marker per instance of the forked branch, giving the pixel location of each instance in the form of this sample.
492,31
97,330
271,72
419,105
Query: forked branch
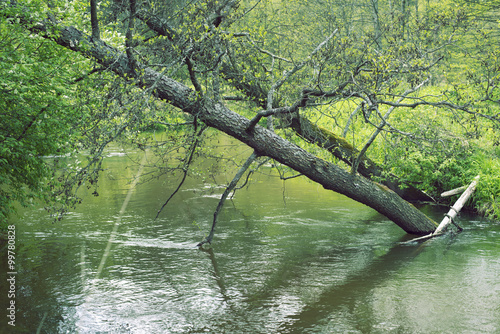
276,86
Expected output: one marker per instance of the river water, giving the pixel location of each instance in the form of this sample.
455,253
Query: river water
287,258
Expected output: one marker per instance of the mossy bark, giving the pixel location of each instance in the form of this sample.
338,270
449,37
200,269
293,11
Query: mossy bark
345,151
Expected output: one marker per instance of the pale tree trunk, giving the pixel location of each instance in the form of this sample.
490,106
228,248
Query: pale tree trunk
263,141
452,213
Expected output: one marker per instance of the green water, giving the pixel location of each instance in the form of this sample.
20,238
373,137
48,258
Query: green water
287,258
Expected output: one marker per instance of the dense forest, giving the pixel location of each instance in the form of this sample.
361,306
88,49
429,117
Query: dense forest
383,101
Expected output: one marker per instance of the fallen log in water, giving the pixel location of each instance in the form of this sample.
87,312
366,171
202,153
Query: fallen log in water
454,210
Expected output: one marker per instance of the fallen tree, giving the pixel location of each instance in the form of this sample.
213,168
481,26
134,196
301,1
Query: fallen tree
215,114
265,142
338,146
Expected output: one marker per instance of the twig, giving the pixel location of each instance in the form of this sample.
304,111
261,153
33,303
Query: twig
382,123
185,170
349,120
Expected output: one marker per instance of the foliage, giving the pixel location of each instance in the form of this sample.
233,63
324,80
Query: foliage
36,118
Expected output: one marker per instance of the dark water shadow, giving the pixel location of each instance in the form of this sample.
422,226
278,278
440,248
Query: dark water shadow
347,296
219,280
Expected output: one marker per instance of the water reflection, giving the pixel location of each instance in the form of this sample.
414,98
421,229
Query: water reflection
347,299
313,263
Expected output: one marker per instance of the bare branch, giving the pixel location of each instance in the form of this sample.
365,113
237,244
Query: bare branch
441,104
192,76
349,120
382,123
226,193
288,74
284,178
267,113
280,82
247,35
185,169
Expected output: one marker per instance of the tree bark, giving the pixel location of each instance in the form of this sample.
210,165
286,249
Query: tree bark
94,22
263,141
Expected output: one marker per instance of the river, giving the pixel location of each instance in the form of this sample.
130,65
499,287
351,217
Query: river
288,257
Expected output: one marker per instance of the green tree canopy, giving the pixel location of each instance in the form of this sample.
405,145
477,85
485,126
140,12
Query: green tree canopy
37,115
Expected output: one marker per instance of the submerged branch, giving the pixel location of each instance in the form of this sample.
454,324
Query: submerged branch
226,193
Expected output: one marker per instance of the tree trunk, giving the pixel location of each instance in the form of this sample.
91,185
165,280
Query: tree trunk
263,141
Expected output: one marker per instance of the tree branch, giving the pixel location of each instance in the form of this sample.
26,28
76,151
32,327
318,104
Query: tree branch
94,22
267,113
226,193
382,124
288,74
192,76
280,82
272,55
349,120
440,104
185,169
